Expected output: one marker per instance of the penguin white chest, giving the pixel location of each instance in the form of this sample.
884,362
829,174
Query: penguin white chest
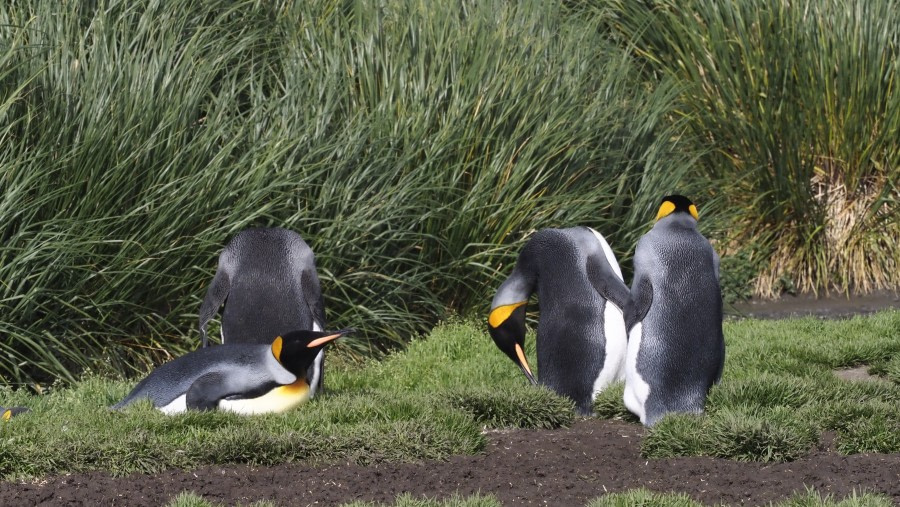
636,388
616,344
176,406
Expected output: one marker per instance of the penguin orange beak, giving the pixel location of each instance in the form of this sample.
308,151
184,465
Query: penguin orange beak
325,339
523,364
506,325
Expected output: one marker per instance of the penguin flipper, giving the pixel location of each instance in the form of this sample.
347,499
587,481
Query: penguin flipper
312,295
639,303
206,392
215,296
606,282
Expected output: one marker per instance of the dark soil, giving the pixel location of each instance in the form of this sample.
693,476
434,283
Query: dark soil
524,467
835,306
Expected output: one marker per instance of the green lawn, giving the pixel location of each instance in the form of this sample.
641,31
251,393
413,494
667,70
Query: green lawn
778,394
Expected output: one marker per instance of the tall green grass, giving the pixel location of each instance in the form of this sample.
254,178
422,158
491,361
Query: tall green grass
799,104
413,144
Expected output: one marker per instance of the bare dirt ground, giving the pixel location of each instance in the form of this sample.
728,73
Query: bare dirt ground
564,467
835,306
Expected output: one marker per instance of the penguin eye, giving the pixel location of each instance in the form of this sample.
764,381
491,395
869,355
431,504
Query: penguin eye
665,209
276,348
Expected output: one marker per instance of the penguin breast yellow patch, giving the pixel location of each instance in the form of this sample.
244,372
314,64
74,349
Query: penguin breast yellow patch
279,399
501,313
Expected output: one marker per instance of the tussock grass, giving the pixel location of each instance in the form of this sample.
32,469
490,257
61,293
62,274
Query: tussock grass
799,103
413,145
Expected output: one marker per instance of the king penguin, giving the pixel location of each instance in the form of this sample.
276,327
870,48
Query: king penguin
266,278
676,349
581,337
243,378
6,413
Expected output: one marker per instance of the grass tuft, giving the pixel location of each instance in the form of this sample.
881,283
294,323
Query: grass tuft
456,500
519,407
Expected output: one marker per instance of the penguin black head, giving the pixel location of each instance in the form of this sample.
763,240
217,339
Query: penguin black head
297,350
676,204
506,325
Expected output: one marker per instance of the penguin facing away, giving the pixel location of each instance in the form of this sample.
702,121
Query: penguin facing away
243,378
676,348
581,339
7,413
266,278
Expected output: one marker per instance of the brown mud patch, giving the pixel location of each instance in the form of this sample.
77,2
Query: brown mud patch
525,467
834,306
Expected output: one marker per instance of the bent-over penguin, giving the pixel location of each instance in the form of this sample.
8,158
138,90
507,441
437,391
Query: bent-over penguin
676,349
266,278
243,378
581,337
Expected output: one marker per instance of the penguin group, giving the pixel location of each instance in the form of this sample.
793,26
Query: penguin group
663,336
272,354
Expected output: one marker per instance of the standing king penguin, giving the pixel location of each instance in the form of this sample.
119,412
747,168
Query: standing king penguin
676,349
243,378
267,280
581,338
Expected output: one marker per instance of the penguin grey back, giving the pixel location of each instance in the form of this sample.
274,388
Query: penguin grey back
676,346
266,277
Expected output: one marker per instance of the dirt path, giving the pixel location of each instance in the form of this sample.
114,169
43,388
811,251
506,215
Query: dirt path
836,306
525,467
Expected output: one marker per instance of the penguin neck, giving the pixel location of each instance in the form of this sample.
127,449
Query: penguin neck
678,220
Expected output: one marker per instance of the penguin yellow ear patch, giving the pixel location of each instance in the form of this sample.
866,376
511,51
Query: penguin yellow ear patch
6,415
501,313
665,209
693,210
276,348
